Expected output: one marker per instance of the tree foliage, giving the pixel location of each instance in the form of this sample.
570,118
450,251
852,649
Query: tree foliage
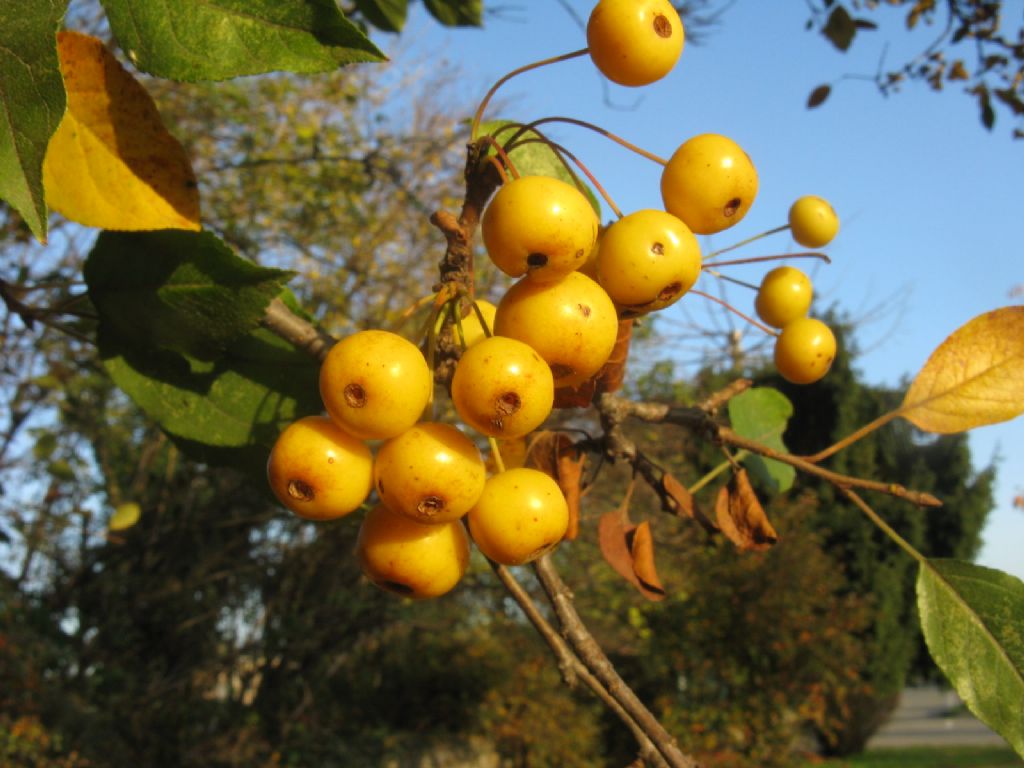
178,617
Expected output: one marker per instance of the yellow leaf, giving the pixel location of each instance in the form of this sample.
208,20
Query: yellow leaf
975,377
111,163
125,516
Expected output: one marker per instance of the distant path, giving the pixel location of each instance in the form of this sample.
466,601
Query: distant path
929,716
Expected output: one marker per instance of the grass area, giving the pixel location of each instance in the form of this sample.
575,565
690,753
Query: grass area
930,757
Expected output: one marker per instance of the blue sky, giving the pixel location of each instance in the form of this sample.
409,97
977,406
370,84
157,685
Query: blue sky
931,203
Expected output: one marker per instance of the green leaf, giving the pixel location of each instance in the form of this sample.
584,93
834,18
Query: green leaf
534,158
182,291
229,411
31,102
761,414
840,28
219,39
456,13
388,15
973,622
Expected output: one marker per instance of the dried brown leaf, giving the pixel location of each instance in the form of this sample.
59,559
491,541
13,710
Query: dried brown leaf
616,536
741,517
642,551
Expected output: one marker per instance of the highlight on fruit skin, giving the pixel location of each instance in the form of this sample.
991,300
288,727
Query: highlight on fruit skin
784,295
813,221
431,473
571,323
647,261
709,182
521,515
318,470
502,388
804,350
539,226
411,559
635,42
375,384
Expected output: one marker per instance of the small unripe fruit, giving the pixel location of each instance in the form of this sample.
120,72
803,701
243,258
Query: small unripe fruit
375,384
785,294
318,470
813,221
409,558
804,350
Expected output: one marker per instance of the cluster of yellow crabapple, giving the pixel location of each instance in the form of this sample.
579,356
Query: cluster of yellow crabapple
555,327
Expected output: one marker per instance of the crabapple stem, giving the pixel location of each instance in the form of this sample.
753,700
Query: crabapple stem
731,308
475,125
853,437
560,150
505,159
496,453
604,132
772,257
720,276
749,240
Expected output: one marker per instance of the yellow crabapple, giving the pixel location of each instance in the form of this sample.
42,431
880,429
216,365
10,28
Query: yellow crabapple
318,470
431,473
571,323
409,558
521,515
502,388
647,261
709,182
539,226
813,221
784,295
635,42
375,384
804,350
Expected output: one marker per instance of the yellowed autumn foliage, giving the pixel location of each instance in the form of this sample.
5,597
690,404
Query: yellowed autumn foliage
975,377
111,163
125,516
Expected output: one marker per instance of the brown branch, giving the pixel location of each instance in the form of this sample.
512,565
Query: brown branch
698,419
591,654
296,330
573,670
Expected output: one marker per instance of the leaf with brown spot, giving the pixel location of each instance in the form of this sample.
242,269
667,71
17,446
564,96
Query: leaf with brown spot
616,535
741,516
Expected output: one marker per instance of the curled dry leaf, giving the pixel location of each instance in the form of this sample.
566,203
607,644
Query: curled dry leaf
629,549
681,502
975,377
111,163
741,516
554,454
